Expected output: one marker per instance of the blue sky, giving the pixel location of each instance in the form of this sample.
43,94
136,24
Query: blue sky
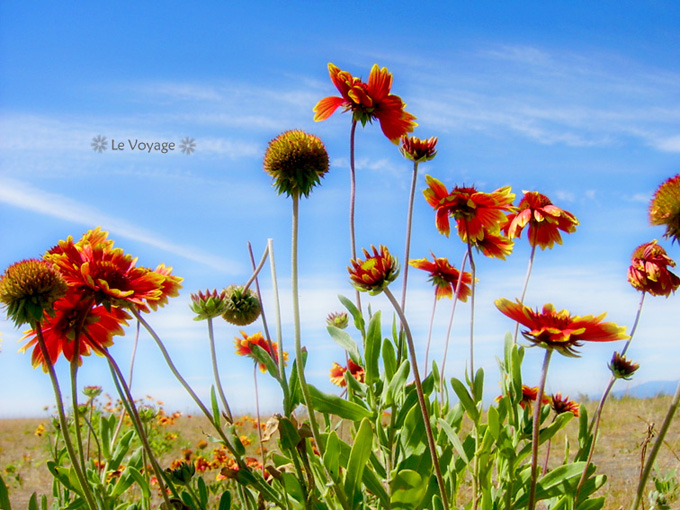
577,100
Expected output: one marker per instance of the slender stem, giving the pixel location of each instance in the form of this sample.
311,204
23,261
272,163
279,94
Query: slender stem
450,327
635,324
352,200
129,402
429,335
407,251
525,287
216,372
257,269
133,356
472,312
279,336
536,429
421,399
62,419
74,399
257,415
259,297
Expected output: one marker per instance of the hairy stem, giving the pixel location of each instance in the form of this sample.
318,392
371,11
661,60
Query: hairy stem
407,250
352,200
216,372
525,287
536,429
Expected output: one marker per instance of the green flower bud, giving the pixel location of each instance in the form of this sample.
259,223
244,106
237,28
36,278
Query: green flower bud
242,307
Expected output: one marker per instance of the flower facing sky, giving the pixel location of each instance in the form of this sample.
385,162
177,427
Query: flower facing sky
648,271
368,101
244,347
560,330
375,273
477,214
544,219
418,150
97,327
444,277
665,207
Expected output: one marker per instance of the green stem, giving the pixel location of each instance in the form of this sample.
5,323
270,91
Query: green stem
62,420
421,399
655,449
472,313
257,415
352,200
536,430
133,355
216,372
407,251
450,327
525,287
429,334
287,411
635,324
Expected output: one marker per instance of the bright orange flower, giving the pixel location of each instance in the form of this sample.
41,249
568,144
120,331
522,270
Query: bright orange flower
494,245
418,150
529,396
563,405
444,277
665,207
99,325
337,373
375,273
648,271
244,347
560,330
545,220
477,214
368,101
93,267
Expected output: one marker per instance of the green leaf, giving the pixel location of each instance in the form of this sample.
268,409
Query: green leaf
225,501
494,422
4,496
479,386
592,504
202,492
408,489
354,311
105,430
288,434
465,399
121,450
32,503
215,407
389,356
332,404
331,458
455,441
358,457
141,481
372,349
397,383
232,435
437,503
292,487
265,358
345,341
555,483
413,436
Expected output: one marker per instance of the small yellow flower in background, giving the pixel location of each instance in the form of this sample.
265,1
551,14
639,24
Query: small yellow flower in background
665,207
296,161
40,430
375,273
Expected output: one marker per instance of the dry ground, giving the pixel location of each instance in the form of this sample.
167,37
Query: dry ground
625,425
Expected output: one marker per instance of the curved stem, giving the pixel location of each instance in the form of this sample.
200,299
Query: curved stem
259,297
62,419
525,287
429,334
216,372
450,327
257,415
421,399
536,429
635,324
407,251
655,449
131,371
352,200
472,313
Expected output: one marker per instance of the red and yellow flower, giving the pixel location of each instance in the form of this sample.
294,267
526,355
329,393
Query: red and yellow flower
74,317
445,277
544,219
337,373
563,405
368,101
648,271
375,273
560,330
244,347
477,214
529,396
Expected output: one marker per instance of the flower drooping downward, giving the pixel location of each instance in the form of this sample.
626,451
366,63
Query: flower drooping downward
445,277
296,161
560,330
544,219
368,101
375,273
665,207
28,289
648,271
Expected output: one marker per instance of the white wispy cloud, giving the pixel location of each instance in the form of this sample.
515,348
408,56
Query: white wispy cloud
24,196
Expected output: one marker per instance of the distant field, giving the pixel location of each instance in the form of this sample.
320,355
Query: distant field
625,425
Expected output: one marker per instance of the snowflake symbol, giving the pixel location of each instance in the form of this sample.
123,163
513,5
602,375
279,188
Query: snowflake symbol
188,145
99,143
